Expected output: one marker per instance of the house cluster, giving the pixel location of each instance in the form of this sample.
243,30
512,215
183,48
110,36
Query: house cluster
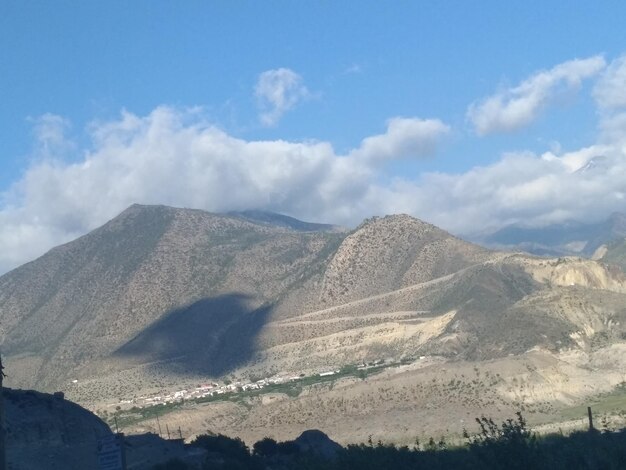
203,391
212,389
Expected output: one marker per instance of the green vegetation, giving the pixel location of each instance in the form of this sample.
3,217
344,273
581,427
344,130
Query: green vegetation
123,418
291,389
612,402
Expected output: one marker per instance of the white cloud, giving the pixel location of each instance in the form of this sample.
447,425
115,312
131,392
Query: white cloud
173,157
353,69
50,132
405,138
278,91
514,108
613,129
536,190
610,90
576,160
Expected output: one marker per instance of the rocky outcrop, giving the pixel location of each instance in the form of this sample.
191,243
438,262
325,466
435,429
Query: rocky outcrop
316,442
48,432
388,253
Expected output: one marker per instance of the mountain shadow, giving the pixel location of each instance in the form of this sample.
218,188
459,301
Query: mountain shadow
212,336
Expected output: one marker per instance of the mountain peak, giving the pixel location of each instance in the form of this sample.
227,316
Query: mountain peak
145,207
384,253
397,219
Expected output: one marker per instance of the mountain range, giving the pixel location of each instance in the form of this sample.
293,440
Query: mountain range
570,238
159,293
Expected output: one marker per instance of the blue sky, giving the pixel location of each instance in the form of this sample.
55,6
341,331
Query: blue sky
331,111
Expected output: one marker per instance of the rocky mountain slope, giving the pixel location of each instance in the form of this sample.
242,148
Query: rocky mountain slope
83,301
615,253
160,293
428,398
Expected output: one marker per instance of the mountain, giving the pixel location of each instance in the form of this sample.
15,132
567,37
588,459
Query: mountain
85,300
599,162
160,294
568,238
615,253
186,283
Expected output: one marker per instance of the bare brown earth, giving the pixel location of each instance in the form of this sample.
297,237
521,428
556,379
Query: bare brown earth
430,398
583,310
195,292
159,298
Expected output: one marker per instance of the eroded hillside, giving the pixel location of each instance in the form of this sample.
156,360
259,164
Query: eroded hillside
164,292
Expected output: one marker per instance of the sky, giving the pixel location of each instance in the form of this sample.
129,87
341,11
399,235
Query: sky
471,116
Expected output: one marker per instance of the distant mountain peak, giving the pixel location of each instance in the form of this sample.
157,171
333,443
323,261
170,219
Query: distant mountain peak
593,164
570,237
618,218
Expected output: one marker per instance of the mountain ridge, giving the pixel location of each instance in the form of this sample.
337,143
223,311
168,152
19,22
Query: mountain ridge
569,238
166,292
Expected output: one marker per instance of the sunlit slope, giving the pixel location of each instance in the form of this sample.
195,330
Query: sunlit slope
188,292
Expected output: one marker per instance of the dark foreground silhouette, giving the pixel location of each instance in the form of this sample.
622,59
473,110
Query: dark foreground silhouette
509,445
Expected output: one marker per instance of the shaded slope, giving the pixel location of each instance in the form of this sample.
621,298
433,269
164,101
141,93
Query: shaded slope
80,302
211,336
210,294
55,290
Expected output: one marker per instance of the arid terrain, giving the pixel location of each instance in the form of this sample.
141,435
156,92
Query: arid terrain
162,299
431,397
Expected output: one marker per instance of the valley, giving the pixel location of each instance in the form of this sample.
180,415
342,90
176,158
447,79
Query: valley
324,236
400,402
234,324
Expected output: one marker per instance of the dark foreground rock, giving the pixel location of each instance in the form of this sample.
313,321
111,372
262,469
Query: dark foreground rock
47,432
317,443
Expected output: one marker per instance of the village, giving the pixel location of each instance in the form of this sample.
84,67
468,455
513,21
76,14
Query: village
213,390
210,389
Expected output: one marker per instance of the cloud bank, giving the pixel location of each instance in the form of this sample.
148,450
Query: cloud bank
610,91
514,108
172,156
405,138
